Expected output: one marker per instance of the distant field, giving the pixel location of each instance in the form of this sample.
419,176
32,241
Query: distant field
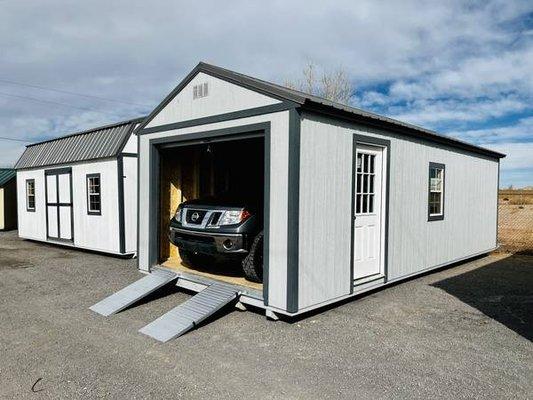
515,220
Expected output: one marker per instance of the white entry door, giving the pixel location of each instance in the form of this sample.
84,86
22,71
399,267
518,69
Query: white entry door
59,204
369,210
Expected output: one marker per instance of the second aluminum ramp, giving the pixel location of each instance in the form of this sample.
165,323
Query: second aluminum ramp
187,315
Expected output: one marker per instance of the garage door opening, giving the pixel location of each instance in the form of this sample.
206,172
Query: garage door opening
211,182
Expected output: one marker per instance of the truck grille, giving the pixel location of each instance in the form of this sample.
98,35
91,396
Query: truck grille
195,216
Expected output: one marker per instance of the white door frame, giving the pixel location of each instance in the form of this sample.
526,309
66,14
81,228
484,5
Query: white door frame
57,204
385,145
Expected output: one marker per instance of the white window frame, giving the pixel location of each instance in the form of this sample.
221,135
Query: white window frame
28,195
431,189
92,193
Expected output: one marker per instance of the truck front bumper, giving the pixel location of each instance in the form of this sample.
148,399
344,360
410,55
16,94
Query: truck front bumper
211,243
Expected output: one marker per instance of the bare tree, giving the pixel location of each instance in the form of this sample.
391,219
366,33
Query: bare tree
332,85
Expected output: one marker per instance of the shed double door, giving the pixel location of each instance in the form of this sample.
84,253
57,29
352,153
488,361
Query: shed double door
59,214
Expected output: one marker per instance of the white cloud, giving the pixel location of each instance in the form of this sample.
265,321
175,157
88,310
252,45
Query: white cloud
521,131
433,112
445,61
518,155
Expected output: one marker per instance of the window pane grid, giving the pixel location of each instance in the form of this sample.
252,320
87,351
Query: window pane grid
30,194
435,202
365,182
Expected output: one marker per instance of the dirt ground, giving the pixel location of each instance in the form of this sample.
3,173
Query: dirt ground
461,332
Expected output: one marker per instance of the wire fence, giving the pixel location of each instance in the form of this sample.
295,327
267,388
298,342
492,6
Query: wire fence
515,222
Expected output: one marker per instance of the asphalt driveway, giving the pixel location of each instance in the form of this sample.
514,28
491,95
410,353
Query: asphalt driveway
463,332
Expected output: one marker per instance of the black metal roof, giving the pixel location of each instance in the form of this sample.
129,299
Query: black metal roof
319,104
6,174
102,142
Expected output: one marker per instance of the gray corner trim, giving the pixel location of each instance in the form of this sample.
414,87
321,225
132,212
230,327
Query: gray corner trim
362,139
154,206
87,176
71,208
266,213
233,133
293,209
121,223
250,112
34,195
497,203
138,200
443,167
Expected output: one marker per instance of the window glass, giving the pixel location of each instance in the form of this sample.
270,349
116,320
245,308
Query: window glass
93,193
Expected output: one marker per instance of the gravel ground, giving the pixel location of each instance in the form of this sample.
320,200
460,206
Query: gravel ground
464,332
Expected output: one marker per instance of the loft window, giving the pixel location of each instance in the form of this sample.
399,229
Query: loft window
94,200
30,194
436,192
199,91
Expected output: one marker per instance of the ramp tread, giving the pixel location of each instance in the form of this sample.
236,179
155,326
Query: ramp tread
185,316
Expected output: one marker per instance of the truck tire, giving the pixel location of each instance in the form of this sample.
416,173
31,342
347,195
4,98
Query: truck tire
252,265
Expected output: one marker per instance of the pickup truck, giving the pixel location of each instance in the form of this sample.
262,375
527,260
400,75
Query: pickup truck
222,228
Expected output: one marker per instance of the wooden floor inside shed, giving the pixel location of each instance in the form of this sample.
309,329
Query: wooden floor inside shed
223,273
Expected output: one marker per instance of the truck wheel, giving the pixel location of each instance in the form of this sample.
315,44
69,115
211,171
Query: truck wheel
252,265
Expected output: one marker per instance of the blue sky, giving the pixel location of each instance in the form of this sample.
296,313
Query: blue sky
461,68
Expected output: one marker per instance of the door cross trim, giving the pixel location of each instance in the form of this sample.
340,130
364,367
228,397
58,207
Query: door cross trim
58,204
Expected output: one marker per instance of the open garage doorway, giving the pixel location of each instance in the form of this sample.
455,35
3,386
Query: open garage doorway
207,179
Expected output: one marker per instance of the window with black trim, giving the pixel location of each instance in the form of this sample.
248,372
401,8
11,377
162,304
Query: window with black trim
94,195
30,194
436,192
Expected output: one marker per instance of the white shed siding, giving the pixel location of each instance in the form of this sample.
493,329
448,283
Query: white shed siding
130,202
131,145
278,196
96,232
470,210
414,244
223,97
31,225
324,228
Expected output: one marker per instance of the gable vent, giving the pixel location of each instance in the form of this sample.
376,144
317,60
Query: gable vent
199,91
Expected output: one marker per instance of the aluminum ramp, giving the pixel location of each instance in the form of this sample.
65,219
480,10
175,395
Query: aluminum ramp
187,315
134,292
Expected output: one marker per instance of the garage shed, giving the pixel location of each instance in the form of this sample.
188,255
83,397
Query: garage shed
351,200
8,199
80,190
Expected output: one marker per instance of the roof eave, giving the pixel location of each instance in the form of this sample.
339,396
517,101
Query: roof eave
314,106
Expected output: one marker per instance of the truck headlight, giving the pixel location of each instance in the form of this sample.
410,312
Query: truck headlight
233,217
179,214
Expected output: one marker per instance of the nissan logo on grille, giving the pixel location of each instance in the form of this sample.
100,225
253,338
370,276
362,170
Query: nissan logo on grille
195,216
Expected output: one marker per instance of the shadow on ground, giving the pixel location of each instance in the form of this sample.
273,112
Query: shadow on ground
502,290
